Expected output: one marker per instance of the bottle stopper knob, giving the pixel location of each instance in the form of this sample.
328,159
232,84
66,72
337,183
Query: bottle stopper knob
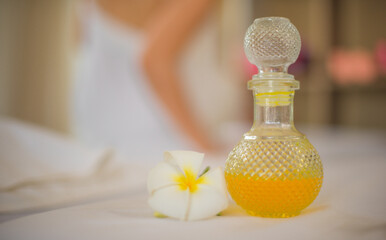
272,44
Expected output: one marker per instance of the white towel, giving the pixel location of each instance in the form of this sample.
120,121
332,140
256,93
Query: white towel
40,169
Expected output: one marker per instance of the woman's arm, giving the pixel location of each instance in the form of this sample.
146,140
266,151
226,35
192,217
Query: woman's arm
167,33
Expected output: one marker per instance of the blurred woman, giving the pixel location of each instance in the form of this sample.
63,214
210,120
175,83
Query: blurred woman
127,91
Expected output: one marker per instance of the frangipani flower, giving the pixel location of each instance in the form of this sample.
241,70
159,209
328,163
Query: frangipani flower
177,190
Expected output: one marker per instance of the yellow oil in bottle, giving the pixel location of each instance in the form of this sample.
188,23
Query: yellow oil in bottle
274,178
272,198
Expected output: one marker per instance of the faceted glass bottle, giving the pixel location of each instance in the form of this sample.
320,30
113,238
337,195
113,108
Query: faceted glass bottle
273,171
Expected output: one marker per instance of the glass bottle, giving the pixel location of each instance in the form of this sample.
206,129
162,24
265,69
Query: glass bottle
273,171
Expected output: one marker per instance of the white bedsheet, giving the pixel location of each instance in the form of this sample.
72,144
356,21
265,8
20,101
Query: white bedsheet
351,205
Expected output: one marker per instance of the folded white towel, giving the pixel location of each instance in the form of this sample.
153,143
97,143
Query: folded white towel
39,169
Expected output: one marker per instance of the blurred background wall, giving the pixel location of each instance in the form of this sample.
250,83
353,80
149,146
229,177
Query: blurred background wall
38,44
352,29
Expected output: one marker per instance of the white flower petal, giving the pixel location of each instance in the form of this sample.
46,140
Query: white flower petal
216,180
206,202
170,201
162,176
175,190
185,160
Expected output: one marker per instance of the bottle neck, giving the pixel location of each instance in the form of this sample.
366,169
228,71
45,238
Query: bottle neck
273,110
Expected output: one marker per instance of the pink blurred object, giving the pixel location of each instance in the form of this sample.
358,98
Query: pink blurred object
249,68
380,55
348,67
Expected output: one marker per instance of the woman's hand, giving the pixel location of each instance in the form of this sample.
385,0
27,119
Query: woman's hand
167,33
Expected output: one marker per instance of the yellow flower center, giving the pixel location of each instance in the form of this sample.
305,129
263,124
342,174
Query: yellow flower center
189,180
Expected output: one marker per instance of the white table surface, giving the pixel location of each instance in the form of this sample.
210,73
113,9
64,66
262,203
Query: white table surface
351,205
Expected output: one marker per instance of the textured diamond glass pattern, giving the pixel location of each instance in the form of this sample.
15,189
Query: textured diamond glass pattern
272,42
274,178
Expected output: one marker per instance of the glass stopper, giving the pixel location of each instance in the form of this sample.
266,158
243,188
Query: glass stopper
272,44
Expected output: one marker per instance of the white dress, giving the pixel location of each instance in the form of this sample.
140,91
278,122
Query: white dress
113,105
